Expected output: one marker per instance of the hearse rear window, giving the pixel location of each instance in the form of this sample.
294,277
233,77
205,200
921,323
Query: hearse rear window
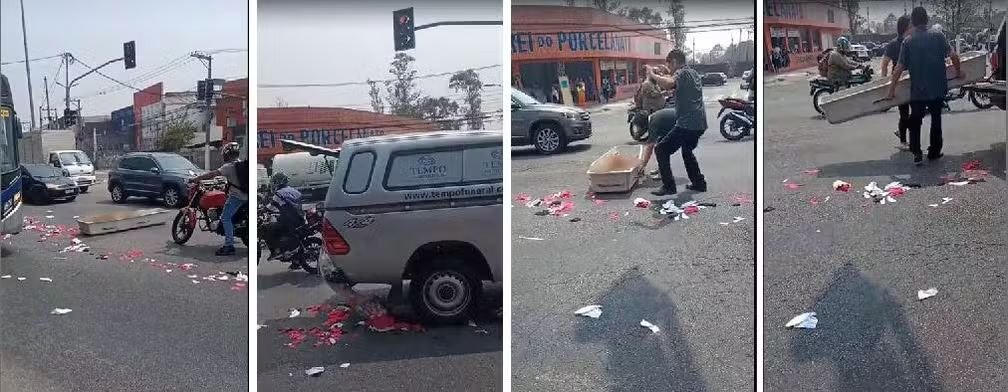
425,169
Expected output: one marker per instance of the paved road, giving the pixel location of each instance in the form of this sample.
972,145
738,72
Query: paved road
859,265
454,358
134,325
694,279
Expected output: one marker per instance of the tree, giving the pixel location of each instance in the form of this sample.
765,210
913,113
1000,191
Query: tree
677,25
889,23
852,7
178,133
377,103
402,94
442,111
469,83
643,15
607,5
955,13
280,102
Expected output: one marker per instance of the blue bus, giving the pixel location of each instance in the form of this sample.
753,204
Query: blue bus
10,166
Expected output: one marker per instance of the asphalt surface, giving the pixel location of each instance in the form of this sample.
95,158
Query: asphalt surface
693,278
445,358
859,264
134,325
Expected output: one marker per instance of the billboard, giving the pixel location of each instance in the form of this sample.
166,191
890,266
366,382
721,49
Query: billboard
123,121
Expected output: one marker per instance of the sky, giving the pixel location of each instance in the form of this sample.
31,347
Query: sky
696,11
163,31
304,41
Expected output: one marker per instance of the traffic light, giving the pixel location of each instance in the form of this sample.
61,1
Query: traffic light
402,28
129,54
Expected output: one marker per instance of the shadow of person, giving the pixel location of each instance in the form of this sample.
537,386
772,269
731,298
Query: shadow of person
639,360
899,167
864,334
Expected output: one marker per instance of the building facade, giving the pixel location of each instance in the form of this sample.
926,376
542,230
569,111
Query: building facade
801,30
142,99
231,110
585,44
326,127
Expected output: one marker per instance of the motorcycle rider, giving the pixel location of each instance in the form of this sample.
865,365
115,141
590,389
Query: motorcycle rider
286,203
841,65
236,194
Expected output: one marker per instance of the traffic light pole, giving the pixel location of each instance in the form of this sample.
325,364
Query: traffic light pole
70,83
460,23
209,100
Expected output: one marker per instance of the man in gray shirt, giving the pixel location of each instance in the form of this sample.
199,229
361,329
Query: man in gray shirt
236,196
923,54
690,123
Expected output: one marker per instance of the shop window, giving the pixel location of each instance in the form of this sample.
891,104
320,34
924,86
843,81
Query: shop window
829,16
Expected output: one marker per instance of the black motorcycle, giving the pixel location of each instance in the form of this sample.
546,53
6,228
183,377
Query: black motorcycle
302,246
821,87
638,120
740,119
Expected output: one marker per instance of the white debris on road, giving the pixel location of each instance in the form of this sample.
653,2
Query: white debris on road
593,311
521,237
648,325
804,320
293,313
60,311
45,280
924,294
315,371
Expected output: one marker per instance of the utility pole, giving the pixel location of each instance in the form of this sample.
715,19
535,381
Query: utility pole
27,64
209,100
48,109
66,59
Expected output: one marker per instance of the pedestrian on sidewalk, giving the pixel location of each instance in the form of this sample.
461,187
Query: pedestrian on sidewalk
690,123
923,55
891,56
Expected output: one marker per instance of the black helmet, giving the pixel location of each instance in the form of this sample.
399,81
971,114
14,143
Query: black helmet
231,151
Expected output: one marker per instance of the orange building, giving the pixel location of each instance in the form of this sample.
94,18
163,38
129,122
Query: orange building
326,127
802,29
585,44
231,110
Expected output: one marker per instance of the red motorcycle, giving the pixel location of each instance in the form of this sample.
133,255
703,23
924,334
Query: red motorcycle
206,202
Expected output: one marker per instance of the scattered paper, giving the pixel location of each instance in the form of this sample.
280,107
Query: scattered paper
922,294
5,277
593,311
804,320
521,237
648,325
293,313
260,326
946,200
21,278
345,365
315,371
841,186
959,183
45,280
60,311
49,216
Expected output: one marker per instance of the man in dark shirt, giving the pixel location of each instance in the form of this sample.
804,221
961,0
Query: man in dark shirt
690,123
891,56
923,55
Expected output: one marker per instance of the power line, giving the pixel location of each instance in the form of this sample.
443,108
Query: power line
32,60
364,83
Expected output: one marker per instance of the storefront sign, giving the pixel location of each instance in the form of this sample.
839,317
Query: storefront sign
269,140
585,41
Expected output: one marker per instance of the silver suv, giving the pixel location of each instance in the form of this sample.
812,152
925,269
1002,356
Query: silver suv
427,208
548,127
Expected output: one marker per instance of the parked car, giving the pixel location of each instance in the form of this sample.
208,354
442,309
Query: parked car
548,127
714,79
860,53
77,165
424,208
44,184
155,175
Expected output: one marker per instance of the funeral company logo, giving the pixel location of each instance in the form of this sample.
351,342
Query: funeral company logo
428,167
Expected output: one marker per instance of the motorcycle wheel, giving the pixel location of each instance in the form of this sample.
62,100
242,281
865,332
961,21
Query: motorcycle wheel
182,230
980,100
309,255
638,133
818,96
730,131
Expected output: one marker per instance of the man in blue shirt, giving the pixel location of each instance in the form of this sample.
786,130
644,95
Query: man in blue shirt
923,55
690,122
891,57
